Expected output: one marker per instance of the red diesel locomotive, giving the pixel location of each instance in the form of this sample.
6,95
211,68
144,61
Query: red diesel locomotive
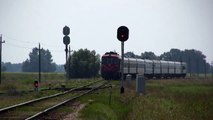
110,65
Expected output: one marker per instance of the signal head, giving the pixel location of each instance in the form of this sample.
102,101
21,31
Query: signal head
123,33
66,30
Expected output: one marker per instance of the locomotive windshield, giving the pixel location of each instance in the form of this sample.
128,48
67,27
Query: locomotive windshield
110,60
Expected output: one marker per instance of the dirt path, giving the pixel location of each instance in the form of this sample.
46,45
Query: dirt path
75,114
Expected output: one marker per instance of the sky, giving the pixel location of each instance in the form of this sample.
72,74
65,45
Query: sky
154,25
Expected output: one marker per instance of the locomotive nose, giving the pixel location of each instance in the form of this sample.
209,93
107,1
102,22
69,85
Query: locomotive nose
109,68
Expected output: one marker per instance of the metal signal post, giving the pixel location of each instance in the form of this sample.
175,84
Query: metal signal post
122,67
66,51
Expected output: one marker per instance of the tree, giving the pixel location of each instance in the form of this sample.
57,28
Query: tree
131,55
149,55
12,67
59,68
195,59
32,64
3,69
82,64
172,55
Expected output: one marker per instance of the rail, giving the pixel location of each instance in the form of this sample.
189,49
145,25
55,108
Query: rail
36,116
43,98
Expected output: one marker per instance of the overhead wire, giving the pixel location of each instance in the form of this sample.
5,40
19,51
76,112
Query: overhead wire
8,38
18,46
13,39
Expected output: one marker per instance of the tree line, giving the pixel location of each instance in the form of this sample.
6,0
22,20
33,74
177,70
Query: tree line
17,67
85,63
195,59
31,64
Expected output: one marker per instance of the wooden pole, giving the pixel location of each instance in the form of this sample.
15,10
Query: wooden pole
39,62
1,54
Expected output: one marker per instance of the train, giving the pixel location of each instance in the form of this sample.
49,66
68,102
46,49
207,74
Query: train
111,67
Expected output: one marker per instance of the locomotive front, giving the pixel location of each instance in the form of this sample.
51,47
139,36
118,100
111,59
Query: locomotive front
110,66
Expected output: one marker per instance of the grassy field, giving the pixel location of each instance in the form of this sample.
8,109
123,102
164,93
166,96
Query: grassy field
188,99
99,106
175,99
24,81
18,87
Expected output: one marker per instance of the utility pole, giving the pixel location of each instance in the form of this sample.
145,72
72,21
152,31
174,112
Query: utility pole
94,66
197,67
1,53
181,63
190,70
212,68
205,68
39,63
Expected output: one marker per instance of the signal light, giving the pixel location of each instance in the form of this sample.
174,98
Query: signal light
122,33
36,84
66,40
66,30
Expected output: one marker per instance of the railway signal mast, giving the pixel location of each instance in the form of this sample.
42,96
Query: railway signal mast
122,35
66,39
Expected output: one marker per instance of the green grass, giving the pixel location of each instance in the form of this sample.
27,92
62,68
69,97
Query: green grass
16,86
175,99
163,99
100,109
188,99
12,82
200,75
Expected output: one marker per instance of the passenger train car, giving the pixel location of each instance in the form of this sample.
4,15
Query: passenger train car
110,67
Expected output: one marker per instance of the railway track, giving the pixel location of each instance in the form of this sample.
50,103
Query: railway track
34,109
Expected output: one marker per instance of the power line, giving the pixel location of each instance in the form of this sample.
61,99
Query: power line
47,45
17,46
27,42
55,50
13,42
23,47
13,39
